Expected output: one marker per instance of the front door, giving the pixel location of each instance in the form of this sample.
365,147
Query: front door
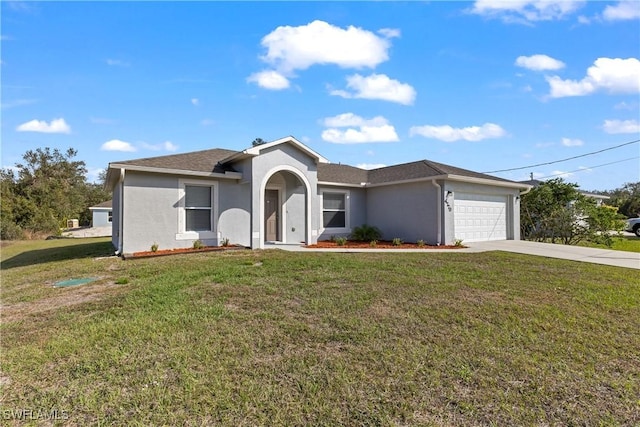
271,220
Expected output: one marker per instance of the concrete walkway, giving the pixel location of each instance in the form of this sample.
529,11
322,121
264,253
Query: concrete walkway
568,252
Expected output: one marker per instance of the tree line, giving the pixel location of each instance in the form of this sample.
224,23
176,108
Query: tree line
42,192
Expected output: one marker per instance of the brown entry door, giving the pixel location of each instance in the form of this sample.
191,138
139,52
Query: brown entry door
271,215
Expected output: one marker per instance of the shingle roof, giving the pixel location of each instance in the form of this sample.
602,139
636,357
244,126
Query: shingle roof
107,204
343,174
209,161
198,161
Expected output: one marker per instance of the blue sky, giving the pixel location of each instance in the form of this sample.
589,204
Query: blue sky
483,85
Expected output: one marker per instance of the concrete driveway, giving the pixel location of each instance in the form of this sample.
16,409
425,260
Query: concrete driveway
574,253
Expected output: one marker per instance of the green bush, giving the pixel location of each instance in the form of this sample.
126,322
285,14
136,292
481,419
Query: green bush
341,241
198,244
397,241
420,243
366,233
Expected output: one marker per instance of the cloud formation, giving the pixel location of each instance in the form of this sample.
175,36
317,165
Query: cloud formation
539,63
370,166
621,126
55,126
611,75
623,10
359,130
269,79
568,142
526,11
377,86
451,134
117,145
290,49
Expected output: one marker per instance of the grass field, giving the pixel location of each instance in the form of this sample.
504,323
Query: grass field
246,338
625,243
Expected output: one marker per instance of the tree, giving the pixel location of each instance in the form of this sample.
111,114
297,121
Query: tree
45,190
258,141
626,198
556,211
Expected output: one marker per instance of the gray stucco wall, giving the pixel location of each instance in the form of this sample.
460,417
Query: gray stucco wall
152,204
100,217
407,211
115,224
290,160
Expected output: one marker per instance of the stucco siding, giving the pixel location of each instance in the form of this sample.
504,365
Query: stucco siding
234,212
116,220
290,162
100,217
407,211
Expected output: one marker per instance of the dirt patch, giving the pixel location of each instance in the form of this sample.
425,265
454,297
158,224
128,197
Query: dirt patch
64,297
381,244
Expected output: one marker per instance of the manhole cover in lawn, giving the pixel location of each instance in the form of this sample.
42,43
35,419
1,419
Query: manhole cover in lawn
73,282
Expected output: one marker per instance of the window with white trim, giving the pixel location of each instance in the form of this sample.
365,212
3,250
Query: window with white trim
334,210
198,204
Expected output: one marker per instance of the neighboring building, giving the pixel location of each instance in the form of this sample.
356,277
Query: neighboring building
599,198
285,192
102,214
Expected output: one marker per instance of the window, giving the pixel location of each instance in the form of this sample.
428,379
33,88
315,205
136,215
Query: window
334,210
197,205
110,216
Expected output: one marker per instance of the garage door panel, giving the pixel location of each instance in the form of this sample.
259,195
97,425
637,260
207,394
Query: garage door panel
480,217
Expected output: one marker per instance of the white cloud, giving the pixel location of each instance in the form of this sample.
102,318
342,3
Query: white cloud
612,75
389,32
359,130
621,126
18,103
117,63
269,79
298,48
524,11
55,126
195,101
450,134
539,63
568,142
560,174
370,166
623,10
117,145
377,86
207,122
165,146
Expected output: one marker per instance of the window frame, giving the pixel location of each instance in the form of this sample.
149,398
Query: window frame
347,214
182,233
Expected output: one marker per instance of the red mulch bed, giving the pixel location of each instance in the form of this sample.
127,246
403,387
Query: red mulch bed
382,244
165,252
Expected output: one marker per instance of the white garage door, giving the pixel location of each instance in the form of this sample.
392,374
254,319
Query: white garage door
480,217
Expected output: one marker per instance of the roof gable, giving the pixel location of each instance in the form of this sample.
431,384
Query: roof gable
255,150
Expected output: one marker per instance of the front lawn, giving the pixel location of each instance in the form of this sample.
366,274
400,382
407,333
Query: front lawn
624,243
279,338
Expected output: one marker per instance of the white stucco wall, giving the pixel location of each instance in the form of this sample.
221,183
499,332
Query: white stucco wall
116,220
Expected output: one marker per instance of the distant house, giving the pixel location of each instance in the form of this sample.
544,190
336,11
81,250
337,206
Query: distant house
599,198
102,214
284,192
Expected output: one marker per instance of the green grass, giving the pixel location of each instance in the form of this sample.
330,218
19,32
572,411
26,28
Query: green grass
625,243
278,338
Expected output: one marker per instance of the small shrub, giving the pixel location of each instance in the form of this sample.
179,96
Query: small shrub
366,233
198,244
397,241
225,242
420,243
373,243
341,241
457,243
121,281
154,247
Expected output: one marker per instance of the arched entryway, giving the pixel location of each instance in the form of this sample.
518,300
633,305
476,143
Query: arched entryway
285,207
